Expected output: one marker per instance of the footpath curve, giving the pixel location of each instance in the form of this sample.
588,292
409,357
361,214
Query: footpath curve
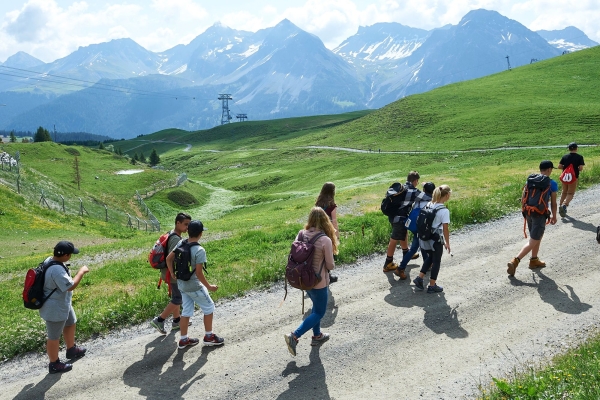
388,340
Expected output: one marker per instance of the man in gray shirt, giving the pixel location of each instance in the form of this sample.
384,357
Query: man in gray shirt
58,311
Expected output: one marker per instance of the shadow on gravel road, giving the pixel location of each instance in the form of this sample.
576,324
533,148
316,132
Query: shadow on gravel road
551,293
439,316
577,224
310,382
38,391
175,381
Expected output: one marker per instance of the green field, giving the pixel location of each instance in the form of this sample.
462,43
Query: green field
254,183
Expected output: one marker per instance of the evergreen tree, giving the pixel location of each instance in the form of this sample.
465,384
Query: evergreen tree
101,146
42,135
136,157
142,157
154,158
13,138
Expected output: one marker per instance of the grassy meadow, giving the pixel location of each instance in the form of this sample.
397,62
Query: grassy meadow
253,183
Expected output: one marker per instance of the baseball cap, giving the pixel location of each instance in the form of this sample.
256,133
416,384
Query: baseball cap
195,227
63,247
428,187
572,146
546,164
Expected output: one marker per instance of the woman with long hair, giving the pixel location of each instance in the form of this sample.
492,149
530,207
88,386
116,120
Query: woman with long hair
325,246
326,200
433,249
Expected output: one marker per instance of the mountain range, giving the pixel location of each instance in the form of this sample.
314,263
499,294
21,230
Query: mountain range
122,90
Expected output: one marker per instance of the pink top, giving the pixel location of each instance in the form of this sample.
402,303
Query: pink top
323,252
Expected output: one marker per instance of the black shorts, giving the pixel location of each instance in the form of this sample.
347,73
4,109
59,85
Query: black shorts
537,226
399,229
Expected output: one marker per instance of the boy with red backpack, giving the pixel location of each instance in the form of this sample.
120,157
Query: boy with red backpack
182,220
57,311
538,206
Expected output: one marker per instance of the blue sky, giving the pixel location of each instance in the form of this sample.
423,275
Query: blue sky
51,29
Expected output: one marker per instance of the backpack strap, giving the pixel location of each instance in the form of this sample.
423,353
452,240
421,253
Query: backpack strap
46,267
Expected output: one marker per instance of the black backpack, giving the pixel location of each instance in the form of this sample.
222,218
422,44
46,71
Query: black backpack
425,229
536,194
183,258
33,288
394,197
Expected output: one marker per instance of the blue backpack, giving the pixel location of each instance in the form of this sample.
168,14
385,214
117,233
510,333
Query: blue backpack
411,221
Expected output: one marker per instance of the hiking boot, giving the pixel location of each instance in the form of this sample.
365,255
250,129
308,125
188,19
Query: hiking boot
333,279
160,326
322,338
75,352
400,272
512,266
562,210
213,340
291,342
183,343
536,263
58,366
434,289
418,281
175,326
390,267
415,256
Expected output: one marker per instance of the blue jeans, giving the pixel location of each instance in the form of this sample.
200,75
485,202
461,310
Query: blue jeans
319,300
414,246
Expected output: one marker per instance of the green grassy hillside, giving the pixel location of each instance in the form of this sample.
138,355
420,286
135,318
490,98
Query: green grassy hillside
253,184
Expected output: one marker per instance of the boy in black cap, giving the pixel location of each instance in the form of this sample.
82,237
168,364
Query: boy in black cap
569,182
536,222
57,311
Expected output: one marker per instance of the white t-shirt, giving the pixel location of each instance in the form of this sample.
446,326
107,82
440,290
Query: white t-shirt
442,217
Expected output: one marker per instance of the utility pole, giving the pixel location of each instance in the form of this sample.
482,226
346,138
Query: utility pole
241,117
54,133
508,61
225,116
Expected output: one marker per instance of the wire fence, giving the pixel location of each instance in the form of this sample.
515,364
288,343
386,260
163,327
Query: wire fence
48,195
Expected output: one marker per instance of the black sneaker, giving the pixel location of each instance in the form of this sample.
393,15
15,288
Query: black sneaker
418,281
434,289
57,366
75,352
213,340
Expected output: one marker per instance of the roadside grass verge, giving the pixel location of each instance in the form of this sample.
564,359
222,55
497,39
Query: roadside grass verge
574,375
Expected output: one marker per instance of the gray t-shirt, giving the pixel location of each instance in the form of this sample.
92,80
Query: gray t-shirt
57,307
198,256
172,242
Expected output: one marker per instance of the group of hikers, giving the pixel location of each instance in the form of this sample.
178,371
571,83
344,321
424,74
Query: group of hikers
190,287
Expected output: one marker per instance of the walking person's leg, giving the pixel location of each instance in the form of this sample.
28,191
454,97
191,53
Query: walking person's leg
436,260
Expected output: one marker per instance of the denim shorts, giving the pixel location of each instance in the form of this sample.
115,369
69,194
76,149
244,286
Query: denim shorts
55,328
200,297
175,294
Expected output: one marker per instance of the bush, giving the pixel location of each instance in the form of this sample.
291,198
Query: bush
182,198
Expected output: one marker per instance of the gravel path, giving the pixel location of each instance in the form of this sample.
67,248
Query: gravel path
388,340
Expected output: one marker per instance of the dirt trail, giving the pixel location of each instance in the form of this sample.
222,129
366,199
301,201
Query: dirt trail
388,340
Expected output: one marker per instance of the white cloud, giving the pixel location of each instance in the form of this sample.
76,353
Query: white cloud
49,29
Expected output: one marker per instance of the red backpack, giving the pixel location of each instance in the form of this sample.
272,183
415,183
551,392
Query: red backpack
157,255
33,289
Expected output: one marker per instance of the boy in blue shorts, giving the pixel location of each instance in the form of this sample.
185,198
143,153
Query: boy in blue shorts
195,290
536,224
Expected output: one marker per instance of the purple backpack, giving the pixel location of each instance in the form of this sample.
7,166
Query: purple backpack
299,271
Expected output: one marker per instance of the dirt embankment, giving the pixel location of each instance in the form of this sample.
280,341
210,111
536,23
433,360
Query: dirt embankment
387,340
